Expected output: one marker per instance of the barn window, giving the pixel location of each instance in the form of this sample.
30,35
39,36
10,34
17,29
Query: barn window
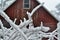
26,4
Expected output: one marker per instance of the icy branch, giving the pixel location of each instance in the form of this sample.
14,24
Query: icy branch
3,14
35,9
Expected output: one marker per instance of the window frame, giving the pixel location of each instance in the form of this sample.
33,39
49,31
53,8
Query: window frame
26,3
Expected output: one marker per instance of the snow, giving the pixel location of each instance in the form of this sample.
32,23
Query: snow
50,4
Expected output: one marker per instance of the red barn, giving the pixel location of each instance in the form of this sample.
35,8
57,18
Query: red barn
19,8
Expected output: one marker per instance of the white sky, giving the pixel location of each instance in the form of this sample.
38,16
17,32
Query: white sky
50,4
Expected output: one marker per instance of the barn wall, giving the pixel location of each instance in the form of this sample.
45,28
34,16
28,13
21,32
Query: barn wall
16,11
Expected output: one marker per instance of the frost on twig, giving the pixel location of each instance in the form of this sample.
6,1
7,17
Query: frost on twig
11,23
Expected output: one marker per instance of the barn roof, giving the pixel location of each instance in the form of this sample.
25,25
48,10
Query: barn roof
53,7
